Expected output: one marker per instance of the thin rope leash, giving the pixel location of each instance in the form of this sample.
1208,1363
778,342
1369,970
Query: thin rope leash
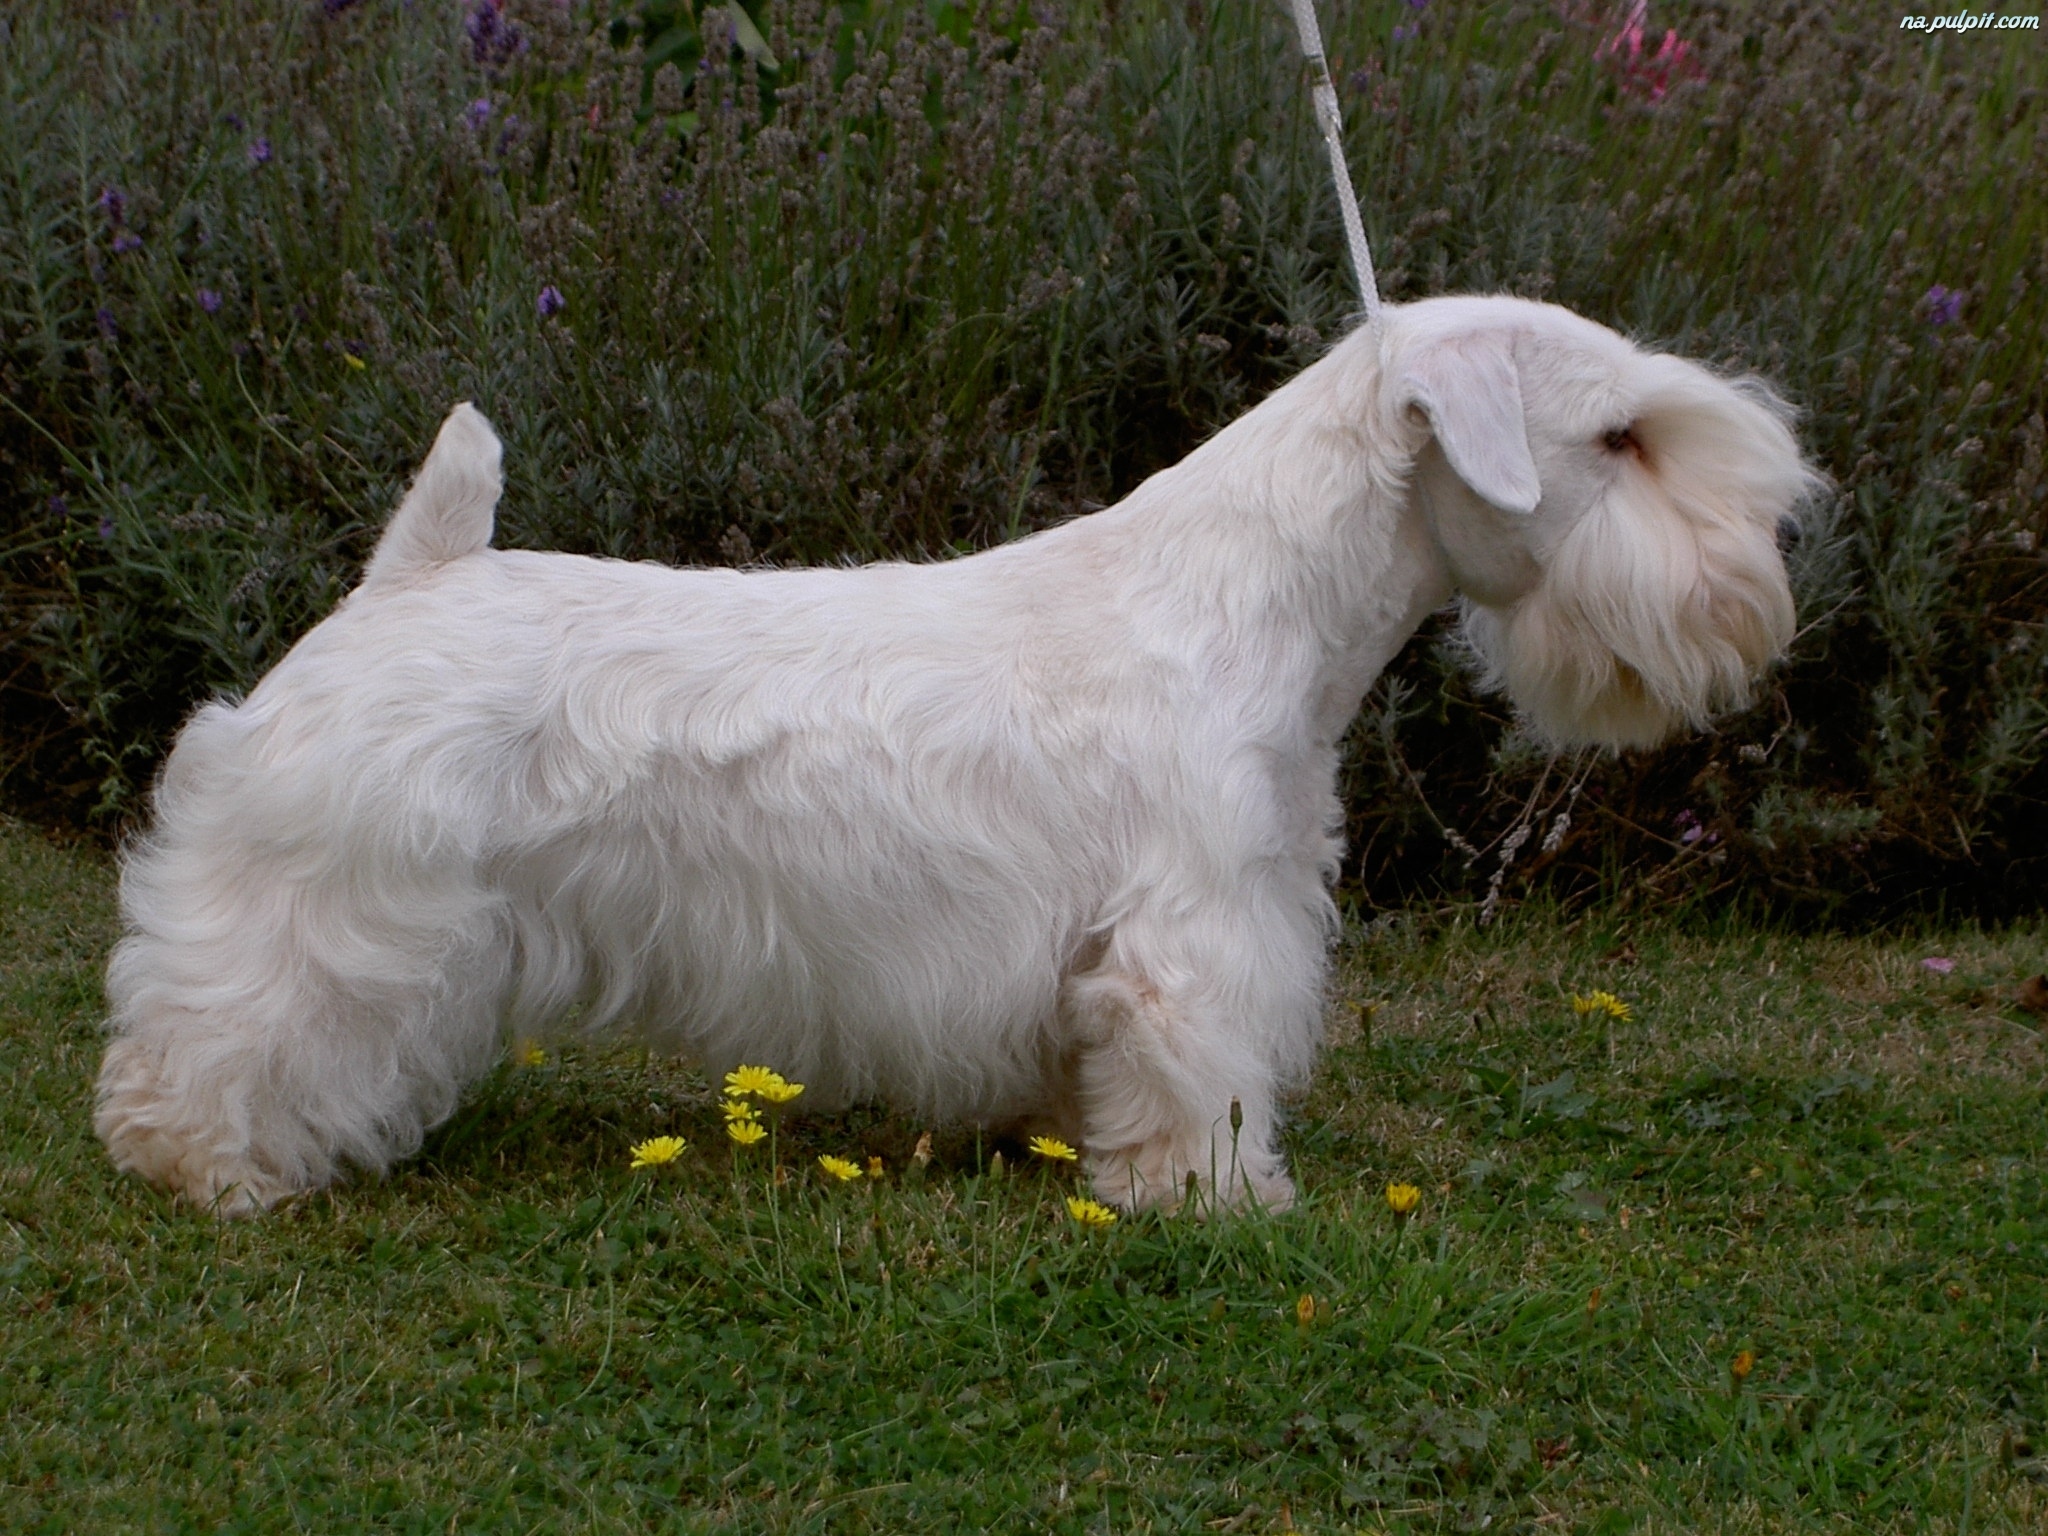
1331,121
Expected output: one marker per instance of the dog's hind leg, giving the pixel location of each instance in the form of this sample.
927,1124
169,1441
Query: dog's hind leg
268,1030
261,1082
1168,1088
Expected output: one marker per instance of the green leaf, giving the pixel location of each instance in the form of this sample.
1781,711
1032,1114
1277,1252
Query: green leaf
749,37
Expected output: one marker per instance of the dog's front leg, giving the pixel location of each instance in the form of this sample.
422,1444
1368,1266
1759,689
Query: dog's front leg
1168,1086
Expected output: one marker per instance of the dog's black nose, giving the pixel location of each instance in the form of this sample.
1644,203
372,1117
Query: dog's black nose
1788,534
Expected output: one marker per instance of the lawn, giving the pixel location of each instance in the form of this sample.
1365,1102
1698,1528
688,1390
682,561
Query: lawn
1765,1254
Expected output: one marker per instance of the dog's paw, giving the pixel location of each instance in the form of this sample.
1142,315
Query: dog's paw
1165,1177
137,1121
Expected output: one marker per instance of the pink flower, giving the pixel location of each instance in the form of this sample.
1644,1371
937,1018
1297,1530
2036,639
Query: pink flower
1648,74
1941,965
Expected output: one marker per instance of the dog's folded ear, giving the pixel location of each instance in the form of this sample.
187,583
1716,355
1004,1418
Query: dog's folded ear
1469,388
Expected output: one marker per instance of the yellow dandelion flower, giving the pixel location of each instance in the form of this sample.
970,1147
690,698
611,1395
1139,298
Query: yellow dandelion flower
780,1091
662,1149
1403,1198
745,1132
1054,1148
1305,1309
1601,1002
531,1055
743,1081
353,361
1089,1213
840,1168
737,1109
874,1167
1743,1364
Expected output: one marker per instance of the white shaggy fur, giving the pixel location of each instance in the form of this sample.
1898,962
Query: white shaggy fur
1044,833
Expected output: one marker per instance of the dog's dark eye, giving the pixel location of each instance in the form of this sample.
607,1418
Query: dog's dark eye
1622,440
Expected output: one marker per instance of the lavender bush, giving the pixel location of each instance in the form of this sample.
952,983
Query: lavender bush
874,280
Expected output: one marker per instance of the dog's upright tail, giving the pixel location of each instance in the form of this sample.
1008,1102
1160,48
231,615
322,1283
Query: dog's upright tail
447,513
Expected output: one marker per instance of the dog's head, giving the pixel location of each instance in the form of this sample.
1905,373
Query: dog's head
1611,517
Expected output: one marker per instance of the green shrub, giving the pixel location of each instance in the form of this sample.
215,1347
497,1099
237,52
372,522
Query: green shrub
909,280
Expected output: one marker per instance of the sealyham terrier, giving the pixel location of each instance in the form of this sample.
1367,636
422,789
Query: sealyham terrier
1044,834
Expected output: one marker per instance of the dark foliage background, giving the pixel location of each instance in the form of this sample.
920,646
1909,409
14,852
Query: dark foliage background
814,281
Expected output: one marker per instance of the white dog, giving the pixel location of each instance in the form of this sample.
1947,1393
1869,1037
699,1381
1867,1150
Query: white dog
1044,833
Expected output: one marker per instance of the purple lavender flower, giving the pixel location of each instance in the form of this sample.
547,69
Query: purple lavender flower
259,152
108,328
479,112
1418,5
550,301
234,121
1405,31
106,529
59,507
492,39
124,243
1689,828
1944,305
336,7
115,205
208,300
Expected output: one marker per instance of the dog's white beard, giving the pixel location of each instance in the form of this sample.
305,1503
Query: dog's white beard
1648,619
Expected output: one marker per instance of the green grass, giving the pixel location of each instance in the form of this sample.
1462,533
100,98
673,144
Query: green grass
1812,1149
